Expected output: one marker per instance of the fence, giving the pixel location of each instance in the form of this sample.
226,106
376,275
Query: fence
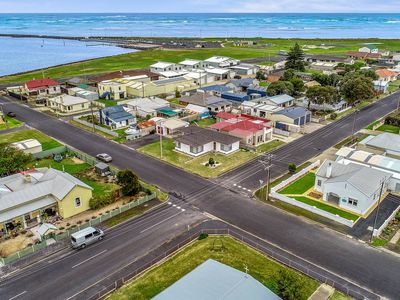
281,132
97,127
253,242
378,231
68,232
379,124
50,152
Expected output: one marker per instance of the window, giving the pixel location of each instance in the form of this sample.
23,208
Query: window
226,148
77,202
88,236
319,182
353,202
178,144
196,150
83,105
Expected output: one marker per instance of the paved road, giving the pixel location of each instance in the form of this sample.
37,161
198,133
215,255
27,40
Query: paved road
347,258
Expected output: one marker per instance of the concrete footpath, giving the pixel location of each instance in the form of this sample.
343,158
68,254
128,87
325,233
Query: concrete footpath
324,292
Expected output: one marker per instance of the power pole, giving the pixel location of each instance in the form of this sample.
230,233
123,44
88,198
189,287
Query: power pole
4,116
354,123
377,209
267,167
91,109
161,131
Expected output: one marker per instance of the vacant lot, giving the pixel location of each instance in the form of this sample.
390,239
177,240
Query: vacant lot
11,123
46,141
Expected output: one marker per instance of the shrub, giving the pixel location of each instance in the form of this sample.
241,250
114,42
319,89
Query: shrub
93,217
100,201
61,228
203,236
30,234
79,222
289,286
68,224
333,116
211,161
129,182
23,231
292,168
87,220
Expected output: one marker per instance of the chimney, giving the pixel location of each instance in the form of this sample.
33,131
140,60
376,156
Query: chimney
329,170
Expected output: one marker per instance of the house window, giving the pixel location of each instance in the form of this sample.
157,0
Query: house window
226,148
353,202
319,182
196,150
77,202
178,145
83,105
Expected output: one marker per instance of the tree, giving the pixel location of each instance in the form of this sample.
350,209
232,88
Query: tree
177,93
129,182
295,59
211,161
289,286
288,75
298,85
292,168
356,89
322,95
280,87
323,79
260,75
12,160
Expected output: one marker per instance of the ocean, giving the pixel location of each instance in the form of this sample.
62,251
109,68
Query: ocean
23,54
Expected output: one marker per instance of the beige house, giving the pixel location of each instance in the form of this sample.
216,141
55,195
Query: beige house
116,89
67,105
170,127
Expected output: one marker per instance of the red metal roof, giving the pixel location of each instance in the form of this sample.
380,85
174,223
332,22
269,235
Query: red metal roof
385,73
226,115
41,83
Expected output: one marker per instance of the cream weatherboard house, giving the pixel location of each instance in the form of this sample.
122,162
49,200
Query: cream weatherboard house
28,198
68,105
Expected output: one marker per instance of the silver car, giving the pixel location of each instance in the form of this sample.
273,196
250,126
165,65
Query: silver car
85,237
104,157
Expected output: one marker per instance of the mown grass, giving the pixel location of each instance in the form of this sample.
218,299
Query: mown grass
67,164
389,128
21,135
301,185
204,122
272,145
11,123
235,254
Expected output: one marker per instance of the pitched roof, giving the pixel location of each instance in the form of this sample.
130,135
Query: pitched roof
281,99
225,115
293,112
117,113
387,141
198,136
41,83
244,82
385,73
216,88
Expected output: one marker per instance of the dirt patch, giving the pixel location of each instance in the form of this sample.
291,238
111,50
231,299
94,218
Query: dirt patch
315,195
77,160
12,245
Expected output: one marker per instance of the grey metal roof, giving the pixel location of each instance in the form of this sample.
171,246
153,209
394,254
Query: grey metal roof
281,99
216,88
366,180
386,141
197,136
169,80
293,112
244,82
214,280
117,113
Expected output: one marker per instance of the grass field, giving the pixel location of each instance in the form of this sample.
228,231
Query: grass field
11,123
270,146
326,207
195,165
205,122
235,254
301,185
46,141
389,128
69,165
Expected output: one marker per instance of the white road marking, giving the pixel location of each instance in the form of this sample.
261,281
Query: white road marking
244,188
82,262
16,296
174,205
183,209
239,186
234,184
169,203
178,207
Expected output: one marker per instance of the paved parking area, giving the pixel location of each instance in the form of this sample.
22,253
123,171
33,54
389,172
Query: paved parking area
362,230
148,139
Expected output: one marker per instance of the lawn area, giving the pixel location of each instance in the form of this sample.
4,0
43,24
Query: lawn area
205,122
12,123
175,101
70,166
300,186
264,83
272,145
107,103
99,188
326,207
371,126
235,254
46,141
160,194
350,139
389,128
195,165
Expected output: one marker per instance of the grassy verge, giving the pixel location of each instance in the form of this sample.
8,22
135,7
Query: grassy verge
378,242
196,165
339,296
371,126
272,145
353,109
11,123
301,185
328,208
107,103
160,194
357,138
235,254
389,128
68,164
46,141
90,129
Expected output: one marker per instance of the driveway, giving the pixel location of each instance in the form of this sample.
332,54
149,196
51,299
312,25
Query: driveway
146,140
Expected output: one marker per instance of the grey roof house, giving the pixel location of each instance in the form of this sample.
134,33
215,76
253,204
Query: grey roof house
384,143
116,117
213,103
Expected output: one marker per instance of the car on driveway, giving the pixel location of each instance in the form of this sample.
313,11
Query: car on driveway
104,157
11,114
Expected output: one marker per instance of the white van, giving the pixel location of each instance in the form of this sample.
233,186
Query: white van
85,237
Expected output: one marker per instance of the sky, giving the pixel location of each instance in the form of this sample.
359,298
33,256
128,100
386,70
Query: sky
205,6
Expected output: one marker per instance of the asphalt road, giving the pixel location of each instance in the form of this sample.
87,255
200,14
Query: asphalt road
347,258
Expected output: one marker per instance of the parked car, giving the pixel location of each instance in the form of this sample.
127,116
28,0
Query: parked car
132,130
11,114
104,157
85,237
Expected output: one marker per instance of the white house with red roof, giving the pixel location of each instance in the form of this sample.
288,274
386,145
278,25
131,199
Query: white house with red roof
42,87
386,75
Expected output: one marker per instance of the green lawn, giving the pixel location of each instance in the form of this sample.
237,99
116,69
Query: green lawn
11,123
107,103
339,296
174,101
389,128
195,165
46,141
235,254
300,186
205,122
326,207
272,145
69,165
99,188
160,194
264,83
371,126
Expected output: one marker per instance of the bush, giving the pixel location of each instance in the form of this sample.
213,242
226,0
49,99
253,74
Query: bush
289,286
292,168
61,228
333,116
87,220
211,161
93,217
68,224
79,222
100,201
30,234
203,236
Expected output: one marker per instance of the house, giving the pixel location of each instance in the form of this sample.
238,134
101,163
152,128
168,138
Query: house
116,117
83,93
193,64
41,87
143,107
198,110
381,86
124,74
241,85
28,198
31,146
201,77
222,282
67,105
380,162
386,143
324,58
353,187
255,91
252,131
212,103
245,69
116,89
236,97
172,74
215,90
323,66
369,49
291,119
196,141
258,109
363,55
170,127
222,62
312,83
164,67
386,75
220,73
279,100
304,102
